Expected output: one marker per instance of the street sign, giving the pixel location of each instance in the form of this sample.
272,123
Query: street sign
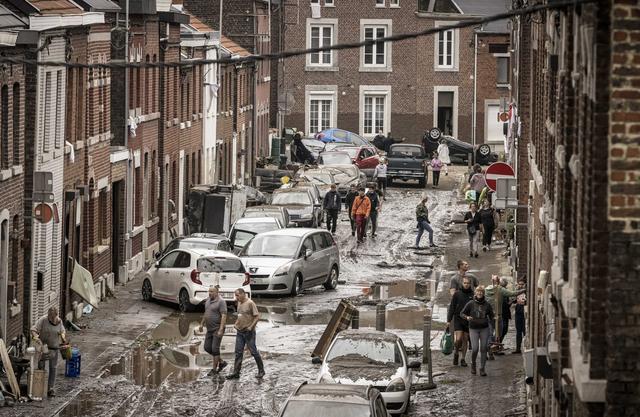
498,170
43,213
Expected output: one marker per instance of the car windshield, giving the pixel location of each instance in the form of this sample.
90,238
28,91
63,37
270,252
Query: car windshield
273,245
317,177
291,198
220,264
407,151
258,227
325,409
369,348
353,152
335,159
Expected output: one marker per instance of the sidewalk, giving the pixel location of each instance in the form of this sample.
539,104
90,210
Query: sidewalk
107,334
459,393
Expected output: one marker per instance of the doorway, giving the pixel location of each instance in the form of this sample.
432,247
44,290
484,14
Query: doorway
117,193
445,121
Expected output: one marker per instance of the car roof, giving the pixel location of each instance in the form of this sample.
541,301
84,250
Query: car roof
265,208
291,231
256,220
210,236
368,334
335,153
358,394
291,190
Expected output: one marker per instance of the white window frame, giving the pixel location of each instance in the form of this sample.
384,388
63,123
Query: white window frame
375,90
455,54
388,47
450,89
329,3
488,103
324,22
394,4
320,92
380,3
499,84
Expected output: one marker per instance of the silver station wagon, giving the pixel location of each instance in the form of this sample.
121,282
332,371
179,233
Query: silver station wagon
288,261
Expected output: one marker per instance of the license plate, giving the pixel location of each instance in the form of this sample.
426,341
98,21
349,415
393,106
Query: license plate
405,172
226,295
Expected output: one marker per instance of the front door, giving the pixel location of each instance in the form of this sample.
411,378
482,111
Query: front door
179,273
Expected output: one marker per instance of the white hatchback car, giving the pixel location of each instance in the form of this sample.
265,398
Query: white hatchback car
183,276
369,357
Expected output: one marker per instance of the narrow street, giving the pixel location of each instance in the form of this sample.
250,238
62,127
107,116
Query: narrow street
124,374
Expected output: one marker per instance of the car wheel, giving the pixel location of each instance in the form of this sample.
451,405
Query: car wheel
332,279
296,285
183,301
147,291
484,151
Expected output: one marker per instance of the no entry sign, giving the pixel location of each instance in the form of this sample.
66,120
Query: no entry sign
498,170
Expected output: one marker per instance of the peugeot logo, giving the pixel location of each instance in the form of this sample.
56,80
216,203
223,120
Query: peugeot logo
253,270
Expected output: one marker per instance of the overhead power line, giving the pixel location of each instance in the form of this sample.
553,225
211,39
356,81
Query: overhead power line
298,52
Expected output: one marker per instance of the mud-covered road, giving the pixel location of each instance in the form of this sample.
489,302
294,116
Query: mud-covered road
164,372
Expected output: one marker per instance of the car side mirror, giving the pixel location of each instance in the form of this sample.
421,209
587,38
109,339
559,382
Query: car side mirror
414,365
156,255
157,264
308,253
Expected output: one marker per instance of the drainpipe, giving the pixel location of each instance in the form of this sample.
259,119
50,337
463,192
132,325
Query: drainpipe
130,170
475,93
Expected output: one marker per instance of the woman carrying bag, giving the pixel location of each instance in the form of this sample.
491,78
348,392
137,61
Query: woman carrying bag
473,221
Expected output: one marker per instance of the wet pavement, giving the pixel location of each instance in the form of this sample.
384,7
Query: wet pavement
156,365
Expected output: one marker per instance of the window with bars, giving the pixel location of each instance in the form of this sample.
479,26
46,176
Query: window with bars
502,76
4,140
374,54
319,115
16,124
321,35
446,45
58,130
47,131
374,111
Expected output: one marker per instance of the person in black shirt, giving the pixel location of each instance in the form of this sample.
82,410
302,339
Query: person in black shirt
378,140
472,219
478,314
348,201
460,326
487,223
332,204
388,141
376,204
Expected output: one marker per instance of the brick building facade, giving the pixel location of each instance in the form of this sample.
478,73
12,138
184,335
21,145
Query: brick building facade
404,88
12,116
576,89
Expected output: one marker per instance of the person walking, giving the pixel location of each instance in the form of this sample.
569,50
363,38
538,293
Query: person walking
248,317
422,217
478,313
348,201
457,322
378,140
443,153
472,219
47,334
487,224
456,281
360,211
436,166
301,153
477,181
380,175
332,204
521,301
214,319
374,197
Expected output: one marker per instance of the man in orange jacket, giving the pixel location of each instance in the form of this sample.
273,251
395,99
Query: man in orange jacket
360,210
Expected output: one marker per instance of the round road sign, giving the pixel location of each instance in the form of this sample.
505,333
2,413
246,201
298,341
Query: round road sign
498,170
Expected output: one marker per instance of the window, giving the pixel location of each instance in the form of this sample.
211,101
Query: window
102,216
16,124
502,64
169,260
329,3
445,49
59,103
374,114
47,130
379,3
374,54
4,140
183,261
375,111
319,115
394,3
321,36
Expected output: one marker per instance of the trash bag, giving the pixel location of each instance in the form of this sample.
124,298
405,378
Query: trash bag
446,344
470,196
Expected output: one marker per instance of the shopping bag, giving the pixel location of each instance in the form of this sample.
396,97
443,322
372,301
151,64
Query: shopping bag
446,344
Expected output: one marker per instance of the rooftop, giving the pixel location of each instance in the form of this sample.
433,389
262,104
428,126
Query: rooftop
8,20
56,7
233,48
